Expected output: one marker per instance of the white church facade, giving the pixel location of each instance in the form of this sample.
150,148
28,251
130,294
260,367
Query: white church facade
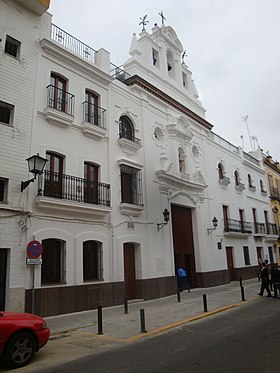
123,145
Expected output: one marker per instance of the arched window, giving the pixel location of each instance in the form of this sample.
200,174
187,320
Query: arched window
220,171
92,260
170,64
91,114
53,262
236,178
57,92
250,181
126,128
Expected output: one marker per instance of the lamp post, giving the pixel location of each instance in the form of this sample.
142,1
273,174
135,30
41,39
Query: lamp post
165,218
36,166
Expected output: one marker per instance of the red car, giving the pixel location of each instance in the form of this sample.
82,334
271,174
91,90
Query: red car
21,335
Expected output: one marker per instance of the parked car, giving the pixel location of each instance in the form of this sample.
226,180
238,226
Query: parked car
21,335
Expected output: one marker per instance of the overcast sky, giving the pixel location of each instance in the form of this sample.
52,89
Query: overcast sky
233,51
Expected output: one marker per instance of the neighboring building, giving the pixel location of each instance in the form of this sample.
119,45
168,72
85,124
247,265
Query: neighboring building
123,145
273,176
19,34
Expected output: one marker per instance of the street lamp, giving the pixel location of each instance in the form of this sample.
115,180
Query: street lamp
36,166
215,224
165,218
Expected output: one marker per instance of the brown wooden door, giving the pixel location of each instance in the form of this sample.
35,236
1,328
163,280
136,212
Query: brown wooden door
3,271
53,175
259,255
91,183
183,241
230,263
129,270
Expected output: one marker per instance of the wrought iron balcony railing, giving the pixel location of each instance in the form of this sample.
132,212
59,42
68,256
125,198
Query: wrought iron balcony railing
274,193
125,134
94,114
74,45
56,185
239,226
260,228
271,229
118,73
60,100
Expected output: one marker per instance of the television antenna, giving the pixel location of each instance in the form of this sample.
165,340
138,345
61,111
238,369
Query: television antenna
245,118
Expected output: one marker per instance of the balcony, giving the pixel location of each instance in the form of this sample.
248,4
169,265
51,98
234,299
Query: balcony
274,194
118,73
239,187
271,229
260,229
237,227
128,141
60,106
94,121
224,181
70,193
71,43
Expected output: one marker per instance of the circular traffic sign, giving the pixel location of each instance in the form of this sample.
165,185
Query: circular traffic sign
34,249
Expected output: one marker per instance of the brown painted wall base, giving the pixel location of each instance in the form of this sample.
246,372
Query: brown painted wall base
66,299
216,278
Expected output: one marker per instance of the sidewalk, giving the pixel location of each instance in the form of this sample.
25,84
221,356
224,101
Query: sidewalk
159,314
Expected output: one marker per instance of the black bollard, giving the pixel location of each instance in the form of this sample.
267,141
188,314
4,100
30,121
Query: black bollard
205,303
99,320
242,294
125,305
240,281
142,321
178,295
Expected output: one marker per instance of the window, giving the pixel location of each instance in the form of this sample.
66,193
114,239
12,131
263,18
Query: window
270,253
126,128
170,64
220,171
12,46
236,178
250,184
155,56
262,187
57,92
246,255
91,182
53,175
131,185
91,114
3,189
6,113
185,80
92,261
226,220
53,262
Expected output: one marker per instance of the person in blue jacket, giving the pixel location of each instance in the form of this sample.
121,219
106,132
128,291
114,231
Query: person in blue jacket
182,279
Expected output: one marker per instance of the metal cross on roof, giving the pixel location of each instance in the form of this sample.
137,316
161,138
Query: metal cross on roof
143,22
162,17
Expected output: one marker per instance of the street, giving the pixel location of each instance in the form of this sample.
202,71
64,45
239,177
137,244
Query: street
244,339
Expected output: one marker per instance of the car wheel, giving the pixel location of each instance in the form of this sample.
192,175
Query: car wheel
20,350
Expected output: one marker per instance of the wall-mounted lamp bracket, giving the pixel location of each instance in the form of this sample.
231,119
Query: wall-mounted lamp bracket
215,224
165,218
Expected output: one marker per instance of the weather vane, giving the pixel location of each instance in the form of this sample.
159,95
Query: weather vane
183,56
143,22
162,17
